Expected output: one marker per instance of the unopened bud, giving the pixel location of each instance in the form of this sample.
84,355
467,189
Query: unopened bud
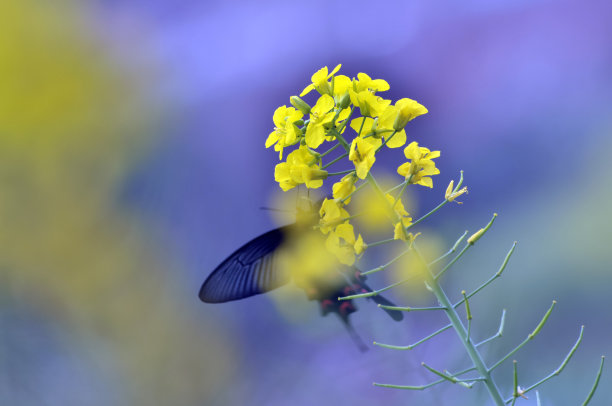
300,104
316,174
476,236
344,101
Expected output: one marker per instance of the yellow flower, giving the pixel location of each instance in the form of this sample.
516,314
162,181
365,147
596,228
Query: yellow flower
364,82
370,128
369,104
302,166
360,246
285,131
399,209
344,187
332,214
342,243
362,154
381,127
402,218
321,114
341,117
407,110
341,85
420,165
319,81
400,234
282,174
385,123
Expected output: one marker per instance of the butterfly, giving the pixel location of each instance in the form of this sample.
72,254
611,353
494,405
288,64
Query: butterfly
258,267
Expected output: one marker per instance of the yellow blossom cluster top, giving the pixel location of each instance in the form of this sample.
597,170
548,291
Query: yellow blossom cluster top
333,120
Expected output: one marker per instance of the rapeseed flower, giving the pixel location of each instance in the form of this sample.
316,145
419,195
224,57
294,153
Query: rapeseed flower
364,82
341,85
370,128
285,132
342,243
420,166
320,81
406,110
344,188
332,214
362,154
401,217
321,114
369,104
302,166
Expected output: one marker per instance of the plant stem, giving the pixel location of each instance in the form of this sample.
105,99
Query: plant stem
453,317
461,331
334,161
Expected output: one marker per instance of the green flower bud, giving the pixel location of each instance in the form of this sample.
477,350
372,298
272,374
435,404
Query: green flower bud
344,101
300,104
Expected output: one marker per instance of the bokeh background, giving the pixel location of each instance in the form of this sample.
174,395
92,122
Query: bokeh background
132,162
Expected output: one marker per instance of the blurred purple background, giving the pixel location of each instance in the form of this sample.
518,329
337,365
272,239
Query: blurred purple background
133,162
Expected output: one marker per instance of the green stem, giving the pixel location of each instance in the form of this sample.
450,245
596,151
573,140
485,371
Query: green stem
386,141
401,192
361,126
447,267
411,346
381,242
452,250
409,309
335,160
374,292
438,207
530,337
382,267
460,329
341,172
329,150
396,187
558,370
594,388
499,333
345,121
492,278
422,387
353,192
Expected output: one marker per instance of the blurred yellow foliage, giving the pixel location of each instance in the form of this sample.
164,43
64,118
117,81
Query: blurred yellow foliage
72,125
412,268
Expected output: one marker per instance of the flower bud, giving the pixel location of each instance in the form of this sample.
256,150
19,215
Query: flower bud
476,236
300,104
343,101
315,174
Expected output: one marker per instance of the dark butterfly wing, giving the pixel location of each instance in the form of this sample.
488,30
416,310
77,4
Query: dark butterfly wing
249,271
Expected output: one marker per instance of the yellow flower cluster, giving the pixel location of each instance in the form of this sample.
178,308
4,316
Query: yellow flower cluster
381,124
